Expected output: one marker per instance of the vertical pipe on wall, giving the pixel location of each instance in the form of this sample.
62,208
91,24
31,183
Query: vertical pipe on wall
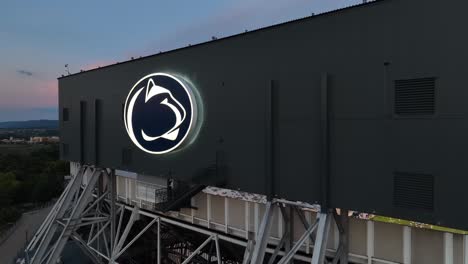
97,128
325,125
113,200
82,130
271,105
387,110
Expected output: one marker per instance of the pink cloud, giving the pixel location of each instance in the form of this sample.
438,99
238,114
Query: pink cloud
18,91
29,92
49,92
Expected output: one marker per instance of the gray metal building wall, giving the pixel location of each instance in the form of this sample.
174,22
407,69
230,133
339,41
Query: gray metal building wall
362,51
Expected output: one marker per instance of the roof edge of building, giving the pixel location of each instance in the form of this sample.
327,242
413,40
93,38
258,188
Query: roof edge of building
328,13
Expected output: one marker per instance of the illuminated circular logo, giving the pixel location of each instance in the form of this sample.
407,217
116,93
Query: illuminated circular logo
159,113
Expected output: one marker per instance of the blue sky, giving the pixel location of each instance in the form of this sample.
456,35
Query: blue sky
37,38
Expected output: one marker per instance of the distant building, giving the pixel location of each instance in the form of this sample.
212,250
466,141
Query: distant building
13,140
36,140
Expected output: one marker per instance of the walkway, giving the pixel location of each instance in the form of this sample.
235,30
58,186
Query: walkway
27,226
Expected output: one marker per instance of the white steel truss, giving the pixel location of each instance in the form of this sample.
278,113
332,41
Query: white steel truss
68,214
93,208
321,228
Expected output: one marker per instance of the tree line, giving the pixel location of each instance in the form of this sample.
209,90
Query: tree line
29,179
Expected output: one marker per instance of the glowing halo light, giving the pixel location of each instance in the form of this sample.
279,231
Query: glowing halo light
179,98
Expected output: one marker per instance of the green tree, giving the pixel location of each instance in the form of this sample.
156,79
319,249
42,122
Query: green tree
33,176
8,186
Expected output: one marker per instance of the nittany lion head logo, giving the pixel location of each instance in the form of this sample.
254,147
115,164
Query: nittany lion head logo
159,113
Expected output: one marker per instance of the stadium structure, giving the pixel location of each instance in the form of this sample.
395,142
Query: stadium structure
336,138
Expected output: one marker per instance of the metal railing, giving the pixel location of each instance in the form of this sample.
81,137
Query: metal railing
166,197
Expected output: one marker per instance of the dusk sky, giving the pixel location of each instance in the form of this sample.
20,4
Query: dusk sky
37,38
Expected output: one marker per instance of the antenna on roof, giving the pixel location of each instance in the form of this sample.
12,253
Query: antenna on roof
67,69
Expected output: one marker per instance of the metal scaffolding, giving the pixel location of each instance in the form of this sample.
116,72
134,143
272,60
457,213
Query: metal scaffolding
89,214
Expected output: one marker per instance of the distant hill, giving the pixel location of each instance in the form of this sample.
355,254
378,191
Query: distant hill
49,124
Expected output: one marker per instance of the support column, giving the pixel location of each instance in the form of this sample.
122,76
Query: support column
193,203
226,214
290,226
261,240
247,219
127,196
112,200
448,248
69,226
320,245
280,221
342,223
465,249
208,210
370,241
406,245
336,237
256,218
308,217
52,227
159,242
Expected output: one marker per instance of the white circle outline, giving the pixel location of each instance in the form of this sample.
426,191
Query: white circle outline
192,108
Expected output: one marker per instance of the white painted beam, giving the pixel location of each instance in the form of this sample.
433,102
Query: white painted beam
370,241
465,249
193,203
448,248
280,221
308,216
247,219
256,218
126,189
226,214
208,210
406,245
